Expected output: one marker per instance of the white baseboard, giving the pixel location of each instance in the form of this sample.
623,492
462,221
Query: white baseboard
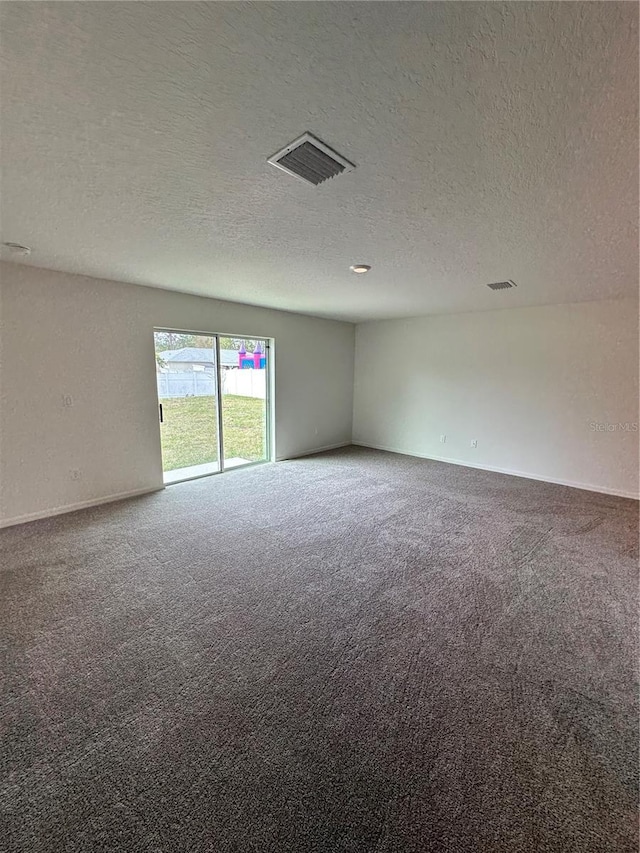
61,510
511,473
315,450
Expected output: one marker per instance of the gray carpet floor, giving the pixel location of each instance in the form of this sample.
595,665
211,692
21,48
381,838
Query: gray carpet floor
352,653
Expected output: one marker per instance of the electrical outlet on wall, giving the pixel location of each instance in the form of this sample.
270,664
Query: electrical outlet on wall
443,439
75,474
67,401
474,442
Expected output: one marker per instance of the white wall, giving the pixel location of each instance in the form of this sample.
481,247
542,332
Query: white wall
526,383
69,335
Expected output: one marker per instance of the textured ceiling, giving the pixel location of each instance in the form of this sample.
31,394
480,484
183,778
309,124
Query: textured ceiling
491,141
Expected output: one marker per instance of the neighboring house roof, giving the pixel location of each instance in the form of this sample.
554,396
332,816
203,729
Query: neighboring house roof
199,355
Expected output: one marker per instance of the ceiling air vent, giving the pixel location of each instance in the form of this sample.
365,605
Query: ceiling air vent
502,285
311,160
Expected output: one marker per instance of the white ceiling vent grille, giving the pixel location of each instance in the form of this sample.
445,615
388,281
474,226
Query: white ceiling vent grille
310,160
502,285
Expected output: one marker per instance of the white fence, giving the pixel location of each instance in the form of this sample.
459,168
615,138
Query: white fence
202,383
245,383
187,383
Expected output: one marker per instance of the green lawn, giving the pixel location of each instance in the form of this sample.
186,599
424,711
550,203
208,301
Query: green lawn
189,431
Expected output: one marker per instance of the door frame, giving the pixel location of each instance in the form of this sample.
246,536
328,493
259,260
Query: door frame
269,409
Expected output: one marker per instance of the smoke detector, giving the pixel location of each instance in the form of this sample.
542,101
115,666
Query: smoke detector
310,160
502,285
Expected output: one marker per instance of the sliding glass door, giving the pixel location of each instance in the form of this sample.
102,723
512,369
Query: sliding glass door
187,377
213,402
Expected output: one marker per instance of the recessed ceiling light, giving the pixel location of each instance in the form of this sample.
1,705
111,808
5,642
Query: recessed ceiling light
360,269
17,248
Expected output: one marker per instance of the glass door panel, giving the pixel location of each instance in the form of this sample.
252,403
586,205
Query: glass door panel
187,379
244,372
